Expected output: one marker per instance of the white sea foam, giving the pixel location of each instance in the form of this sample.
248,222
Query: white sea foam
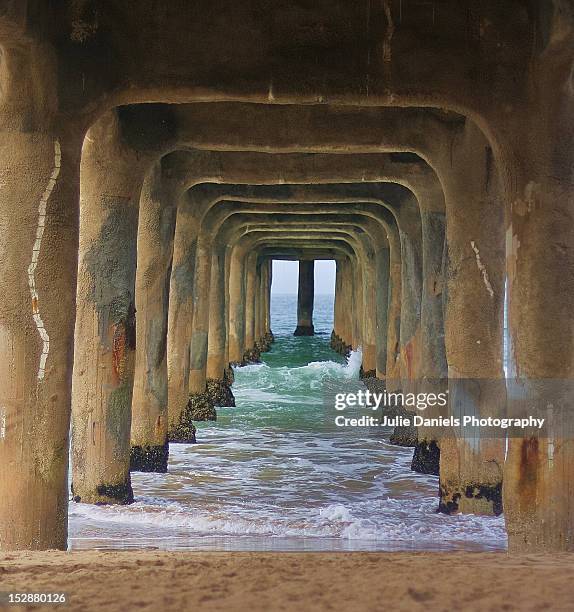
332,521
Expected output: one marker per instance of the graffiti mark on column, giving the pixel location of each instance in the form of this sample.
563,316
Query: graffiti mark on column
34,263
482,269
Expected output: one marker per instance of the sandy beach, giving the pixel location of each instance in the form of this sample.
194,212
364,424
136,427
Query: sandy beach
147,580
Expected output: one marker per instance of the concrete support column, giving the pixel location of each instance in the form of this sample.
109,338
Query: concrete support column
200,401
305,299
149,447
250,284
262,316
111,179
471,466
267,297
236,305
433,365
358,303
337,304
338,342
369,365
266,338
270,286
347,304
382,289
39,185
539,470
218,383
393,369
227,270
216,342
538,476
201,307
410,233
180,320
257,329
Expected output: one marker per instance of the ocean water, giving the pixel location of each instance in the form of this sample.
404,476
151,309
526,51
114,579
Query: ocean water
270,475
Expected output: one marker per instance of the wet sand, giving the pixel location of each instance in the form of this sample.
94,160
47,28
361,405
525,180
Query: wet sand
149,580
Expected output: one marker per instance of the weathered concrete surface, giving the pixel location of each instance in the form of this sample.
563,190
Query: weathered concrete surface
538,499
473,324
266,336
217,328
383,295
200,327
39,183
140,54
218,387
236,307
149,423
342,312
250,283
112,176
180,316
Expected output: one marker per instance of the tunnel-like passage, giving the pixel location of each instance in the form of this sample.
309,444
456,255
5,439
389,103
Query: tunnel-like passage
305,295
148,180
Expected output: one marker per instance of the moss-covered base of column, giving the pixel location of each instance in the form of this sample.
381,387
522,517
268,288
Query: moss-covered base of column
264,344
363,375
229,374
149,458
219,393
184,432
480,499
304,330
426,458
199,408
404,436
252,355
107,494
375,385
338,345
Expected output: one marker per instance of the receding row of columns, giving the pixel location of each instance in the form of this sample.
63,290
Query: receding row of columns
201,307
173,287
186,260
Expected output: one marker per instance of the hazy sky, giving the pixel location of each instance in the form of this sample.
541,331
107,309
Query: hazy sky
286,273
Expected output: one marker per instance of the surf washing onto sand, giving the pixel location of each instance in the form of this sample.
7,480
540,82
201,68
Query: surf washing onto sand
268,474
